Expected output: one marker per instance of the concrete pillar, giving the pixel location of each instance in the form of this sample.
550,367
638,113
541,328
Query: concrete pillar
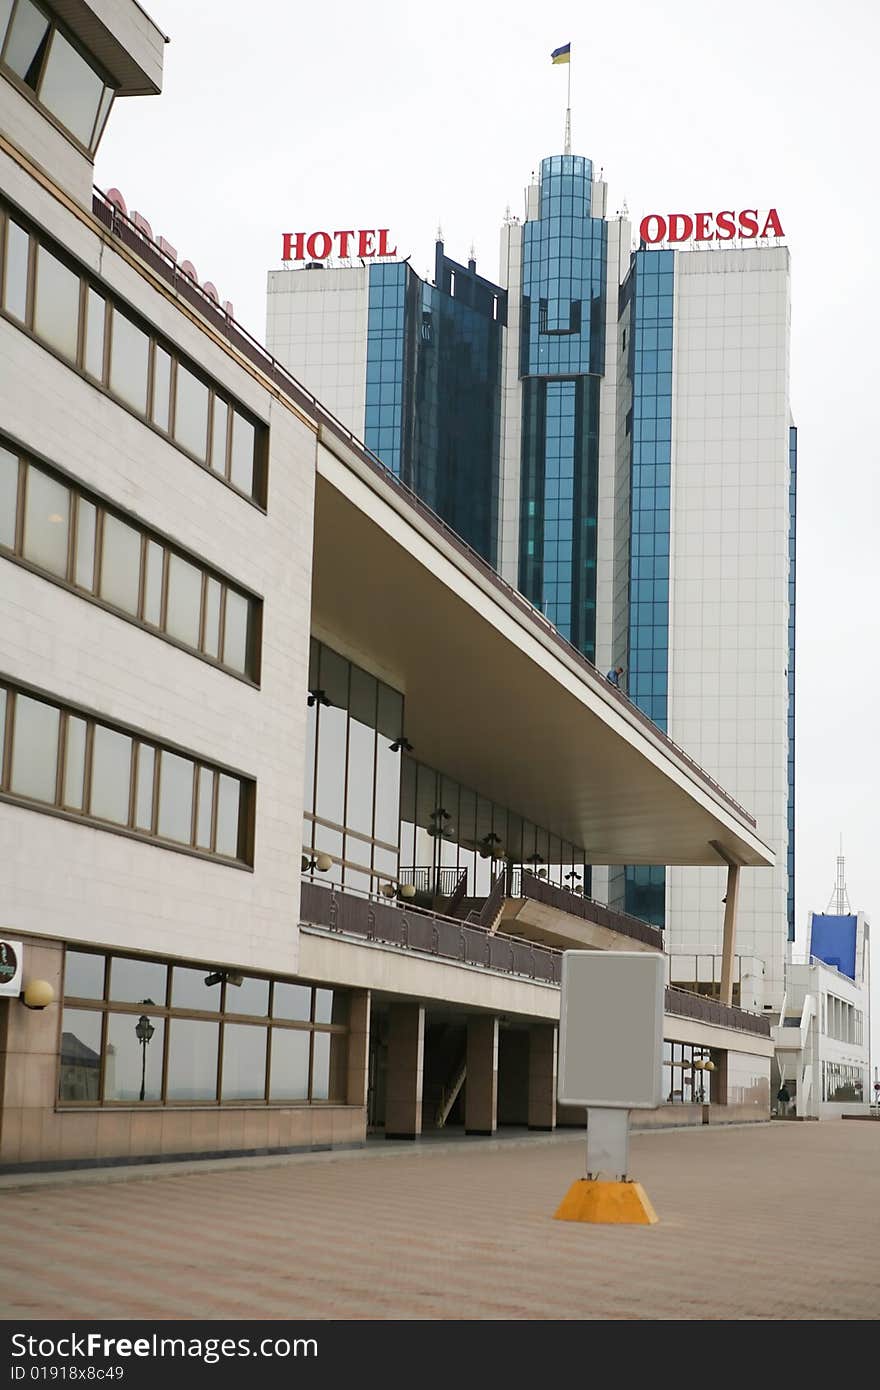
542,1076
29,1063
404,1076
358,1048
718,1080
513,1076
481,1086
729,945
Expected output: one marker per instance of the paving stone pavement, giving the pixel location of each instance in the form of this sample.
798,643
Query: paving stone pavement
774,1221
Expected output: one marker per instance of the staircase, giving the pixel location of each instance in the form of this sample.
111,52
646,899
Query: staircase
452,905
489,915
450,1094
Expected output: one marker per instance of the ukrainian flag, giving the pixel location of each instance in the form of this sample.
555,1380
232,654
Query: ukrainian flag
561,55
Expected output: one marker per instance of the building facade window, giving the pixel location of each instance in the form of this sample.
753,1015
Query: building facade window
650,371
386,363
650,366
448,830
433,389
352,773
385,818
59,758
686,1078
154,1032
71,535
842,1083
52,298
455,436
842,1020
48,64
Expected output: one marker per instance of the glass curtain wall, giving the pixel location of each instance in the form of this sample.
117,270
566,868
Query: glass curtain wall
352,776
457,400
386,353
650,368
562,354
447,829
384,818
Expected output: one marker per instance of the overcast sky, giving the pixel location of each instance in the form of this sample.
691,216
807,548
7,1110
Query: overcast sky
280,116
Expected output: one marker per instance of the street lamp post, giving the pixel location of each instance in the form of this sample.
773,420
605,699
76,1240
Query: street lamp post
440,829
144,1031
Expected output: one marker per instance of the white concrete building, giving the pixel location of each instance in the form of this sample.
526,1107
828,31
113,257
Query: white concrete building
267,879
728,689
823,1037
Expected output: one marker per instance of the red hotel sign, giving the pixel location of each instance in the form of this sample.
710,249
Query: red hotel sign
710,226
317,246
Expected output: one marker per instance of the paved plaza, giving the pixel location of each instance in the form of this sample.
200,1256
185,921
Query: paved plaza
774,1221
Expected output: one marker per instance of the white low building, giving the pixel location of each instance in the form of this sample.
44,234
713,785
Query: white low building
823,1039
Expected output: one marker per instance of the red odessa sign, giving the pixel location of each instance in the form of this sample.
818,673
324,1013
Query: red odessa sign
317,246
710,226
114,196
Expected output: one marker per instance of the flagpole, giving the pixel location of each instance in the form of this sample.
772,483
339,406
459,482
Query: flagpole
568,111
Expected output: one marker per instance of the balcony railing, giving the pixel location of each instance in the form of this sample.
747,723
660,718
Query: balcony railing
686,1005
427,932
467,943
441,882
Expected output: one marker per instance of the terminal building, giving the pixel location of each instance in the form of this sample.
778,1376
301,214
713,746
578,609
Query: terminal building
629,462
298,796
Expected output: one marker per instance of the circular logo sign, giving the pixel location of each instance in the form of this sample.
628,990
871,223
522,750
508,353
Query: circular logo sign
8,963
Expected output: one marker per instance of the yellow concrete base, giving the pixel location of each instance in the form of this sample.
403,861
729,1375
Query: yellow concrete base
611,1203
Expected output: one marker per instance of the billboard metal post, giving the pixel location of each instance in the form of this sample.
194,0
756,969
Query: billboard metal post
607,1143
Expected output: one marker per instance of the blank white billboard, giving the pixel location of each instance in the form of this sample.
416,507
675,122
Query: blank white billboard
611,1029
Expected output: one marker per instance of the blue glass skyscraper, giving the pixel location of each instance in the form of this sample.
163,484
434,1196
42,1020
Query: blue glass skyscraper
562,358
433,367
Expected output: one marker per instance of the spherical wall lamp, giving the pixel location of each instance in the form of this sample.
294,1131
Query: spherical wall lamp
324,862
37,994
709,1066
387,890
407,890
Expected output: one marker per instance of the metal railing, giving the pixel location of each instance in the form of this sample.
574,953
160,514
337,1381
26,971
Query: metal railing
121,226
491,910
686,1005
466,943
440,883
469,943
457,896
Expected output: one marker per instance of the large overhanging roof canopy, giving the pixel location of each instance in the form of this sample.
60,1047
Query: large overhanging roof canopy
493,698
